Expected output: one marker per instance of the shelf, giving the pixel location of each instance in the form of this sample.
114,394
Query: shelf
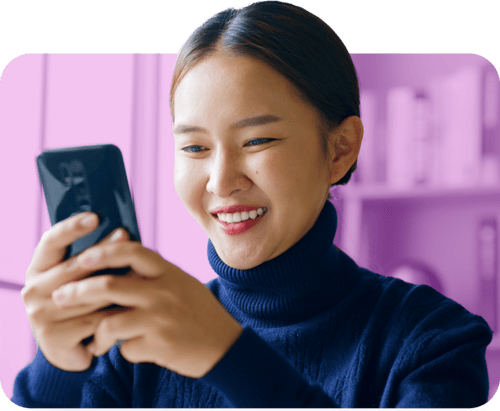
384,192
358,201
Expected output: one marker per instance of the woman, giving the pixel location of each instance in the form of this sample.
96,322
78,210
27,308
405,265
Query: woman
265,106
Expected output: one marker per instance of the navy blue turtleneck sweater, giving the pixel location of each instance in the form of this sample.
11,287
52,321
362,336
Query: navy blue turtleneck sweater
319,331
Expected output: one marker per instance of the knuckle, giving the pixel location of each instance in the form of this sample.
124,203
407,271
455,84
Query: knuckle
29,291
37,313
50,237
47,236
29,273
25,293
108,282
108,325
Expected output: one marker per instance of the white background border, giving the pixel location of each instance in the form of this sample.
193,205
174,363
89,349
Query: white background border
160,26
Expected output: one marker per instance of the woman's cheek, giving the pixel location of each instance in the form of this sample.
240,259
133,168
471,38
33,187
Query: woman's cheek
186,179
178,177
269,172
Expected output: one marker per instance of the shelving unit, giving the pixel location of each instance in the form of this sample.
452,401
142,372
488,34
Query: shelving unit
354,197
369,214
435,222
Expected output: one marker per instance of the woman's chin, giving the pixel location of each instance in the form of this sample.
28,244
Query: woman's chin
240,257
241,260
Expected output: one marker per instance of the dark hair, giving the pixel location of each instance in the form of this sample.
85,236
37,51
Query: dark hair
297,44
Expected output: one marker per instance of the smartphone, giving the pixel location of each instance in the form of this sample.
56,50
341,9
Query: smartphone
88,178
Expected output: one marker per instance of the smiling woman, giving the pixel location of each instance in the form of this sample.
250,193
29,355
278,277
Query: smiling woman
290,321
331,87
224,102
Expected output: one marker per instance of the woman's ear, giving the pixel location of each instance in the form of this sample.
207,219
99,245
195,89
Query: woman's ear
345,148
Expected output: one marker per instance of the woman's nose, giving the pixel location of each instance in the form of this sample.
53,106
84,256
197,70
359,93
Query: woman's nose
227,175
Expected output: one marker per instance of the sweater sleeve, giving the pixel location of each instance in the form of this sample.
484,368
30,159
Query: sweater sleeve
41,385
269,381
110,385
442,362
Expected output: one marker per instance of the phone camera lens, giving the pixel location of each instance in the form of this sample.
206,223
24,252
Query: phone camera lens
76,169
63,169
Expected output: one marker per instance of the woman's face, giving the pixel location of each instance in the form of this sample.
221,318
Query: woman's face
286,174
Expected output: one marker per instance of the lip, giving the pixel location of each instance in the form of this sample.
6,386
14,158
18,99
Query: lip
240,228
235,209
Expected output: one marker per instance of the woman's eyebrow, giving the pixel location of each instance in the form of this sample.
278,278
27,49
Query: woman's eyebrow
256,121
247,122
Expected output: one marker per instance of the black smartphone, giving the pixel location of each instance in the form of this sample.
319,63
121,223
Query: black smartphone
88,178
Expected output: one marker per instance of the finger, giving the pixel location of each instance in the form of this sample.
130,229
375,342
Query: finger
62,313
72,270
52,246
118,327
65,272
133,350
72,331
44,311
141,260
126,290
70,334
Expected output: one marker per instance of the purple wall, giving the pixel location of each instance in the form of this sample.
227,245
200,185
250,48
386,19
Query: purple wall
65,100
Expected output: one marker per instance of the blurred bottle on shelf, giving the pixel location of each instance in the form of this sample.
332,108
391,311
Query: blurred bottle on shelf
400,133
490,172
410,145
444,134
487,263
370,158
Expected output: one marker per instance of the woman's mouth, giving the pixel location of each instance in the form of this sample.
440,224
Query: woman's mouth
239,223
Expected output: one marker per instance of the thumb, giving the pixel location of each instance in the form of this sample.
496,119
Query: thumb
80,359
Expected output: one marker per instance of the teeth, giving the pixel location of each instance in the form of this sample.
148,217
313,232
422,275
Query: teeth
243,216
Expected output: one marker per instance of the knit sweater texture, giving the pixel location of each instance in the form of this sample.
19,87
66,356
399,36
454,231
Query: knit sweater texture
319,331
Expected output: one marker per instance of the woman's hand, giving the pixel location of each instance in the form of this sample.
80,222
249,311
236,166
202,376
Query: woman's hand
173,320
59,332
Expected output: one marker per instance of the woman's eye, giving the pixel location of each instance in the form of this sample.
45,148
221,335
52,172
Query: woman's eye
187,149
260,139
190,148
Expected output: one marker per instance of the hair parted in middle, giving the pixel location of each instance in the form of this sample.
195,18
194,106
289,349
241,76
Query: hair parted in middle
297,44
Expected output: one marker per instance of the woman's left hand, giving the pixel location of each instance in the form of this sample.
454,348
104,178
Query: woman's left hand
172,320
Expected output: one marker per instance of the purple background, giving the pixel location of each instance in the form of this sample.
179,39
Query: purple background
385,213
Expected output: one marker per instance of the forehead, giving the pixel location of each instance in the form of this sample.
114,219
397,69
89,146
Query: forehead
234,84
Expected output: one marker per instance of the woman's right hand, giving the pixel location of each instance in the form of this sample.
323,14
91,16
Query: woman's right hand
59,331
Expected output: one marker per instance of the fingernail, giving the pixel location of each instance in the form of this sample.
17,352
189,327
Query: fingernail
88,221
116,236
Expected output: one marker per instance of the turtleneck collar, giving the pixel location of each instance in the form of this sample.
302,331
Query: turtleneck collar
296,285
